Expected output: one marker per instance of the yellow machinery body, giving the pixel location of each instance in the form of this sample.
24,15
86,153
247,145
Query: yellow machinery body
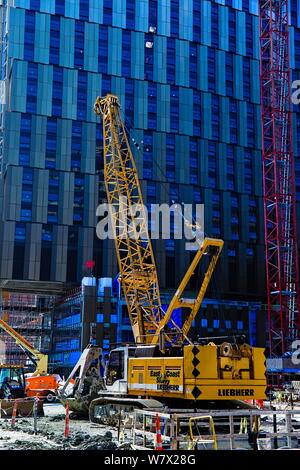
201,374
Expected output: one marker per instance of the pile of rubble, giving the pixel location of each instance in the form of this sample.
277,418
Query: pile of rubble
50,436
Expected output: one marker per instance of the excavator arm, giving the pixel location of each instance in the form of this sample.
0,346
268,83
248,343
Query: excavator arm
38,359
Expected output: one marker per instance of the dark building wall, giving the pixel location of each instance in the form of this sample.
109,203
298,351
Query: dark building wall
187,74
88,314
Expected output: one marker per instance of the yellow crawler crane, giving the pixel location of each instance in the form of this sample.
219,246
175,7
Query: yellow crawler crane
164,364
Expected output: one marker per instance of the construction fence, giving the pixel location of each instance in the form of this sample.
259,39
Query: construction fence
214,430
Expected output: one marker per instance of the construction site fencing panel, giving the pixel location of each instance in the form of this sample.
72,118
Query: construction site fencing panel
219,430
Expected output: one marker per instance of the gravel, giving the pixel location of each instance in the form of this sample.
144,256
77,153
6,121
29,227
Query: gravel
50,433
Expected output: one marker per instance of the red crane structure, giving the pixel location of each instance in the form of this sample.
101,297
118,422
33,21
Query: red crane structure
282,271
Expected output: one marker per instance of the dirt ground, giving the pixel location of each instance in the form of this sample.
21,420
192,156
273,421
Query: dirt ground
50,433
85,435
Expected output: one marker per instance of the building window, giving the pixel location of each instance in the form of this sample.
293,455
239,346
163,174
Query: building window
84,9
193,160
25,140
174,109
152,14
216,214
214,25
246,78
197,113
126,53
79,45
233,121
107,12
234,219
130,14
174,193
171,60
76,145
175,18
147,155
197,20
20,232
212,165
232,30
103,49
35,5
246,5
51,139
249,35
211,68
250,124
170,157
32,82
197,195
152,106
27,195
82,96
29,35
57,91
129,102
26,213
54,39
215,117
106,84
53,194
230,168
148,68
193,65
59,8
229,74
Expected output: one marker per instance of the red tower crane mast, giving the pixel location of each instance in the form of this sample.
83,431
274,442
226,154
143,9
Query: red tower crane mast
282,269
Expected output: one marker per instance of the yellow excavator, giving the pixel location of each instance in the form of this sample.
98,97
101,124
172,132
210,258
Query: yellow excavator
164,367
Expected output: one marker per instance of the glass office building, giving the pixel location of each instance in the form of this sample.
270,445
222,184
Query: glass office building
187,74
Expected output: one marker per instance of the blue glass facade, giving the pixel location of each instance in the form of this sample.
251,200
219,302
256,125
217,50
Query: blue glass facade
111,323
187,74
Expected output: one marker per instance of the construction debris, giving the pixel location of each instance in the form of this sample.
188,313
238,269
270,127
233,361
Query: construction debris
50,434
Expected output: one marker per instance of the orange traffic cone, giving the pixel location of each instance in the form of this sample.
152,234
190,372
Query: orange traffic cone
67,423
14,414
158,445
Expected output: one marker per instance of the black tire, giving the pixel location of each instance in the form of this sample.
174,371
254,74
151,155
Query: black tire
50,397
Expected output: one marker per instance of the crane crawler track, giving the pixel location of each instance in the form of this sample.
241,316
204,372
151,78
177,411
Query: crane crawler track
107,410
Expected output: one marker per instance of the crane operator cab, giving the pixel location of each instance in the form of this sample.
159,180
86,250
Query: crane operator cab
12,382
116,370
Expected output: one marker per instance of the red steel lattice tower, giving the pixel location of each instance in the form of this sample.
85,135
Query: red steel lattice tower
278,177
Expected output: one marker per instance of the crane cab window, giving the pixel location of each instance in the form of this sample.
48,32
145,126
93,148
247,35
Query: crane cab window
115,369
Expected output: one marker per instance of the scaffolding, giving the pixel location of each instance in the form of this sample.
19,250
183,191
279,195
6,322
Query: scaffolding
31,316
